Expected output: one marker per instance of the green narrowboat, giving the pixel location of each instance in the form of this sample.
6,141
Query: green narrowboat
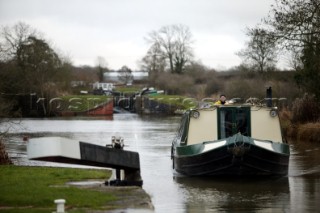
242,139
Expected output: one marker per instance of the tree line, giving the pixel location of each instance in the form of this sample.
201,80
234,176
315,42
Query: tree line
292,27
30,65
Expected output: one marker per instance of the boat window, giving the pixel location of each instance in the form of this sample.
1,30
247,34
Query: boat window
232,120
242,121
225,123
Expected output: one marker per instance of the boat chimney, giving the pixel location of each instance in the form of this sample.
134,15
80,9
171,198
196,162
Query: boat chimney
269,97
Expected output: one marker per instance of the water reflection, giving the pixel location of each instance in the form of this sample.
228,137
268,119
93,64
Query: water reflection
152,137
235,194
304,159
304,194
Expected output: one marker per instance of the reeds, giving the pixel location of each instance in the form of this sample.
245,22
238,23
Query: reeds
302,123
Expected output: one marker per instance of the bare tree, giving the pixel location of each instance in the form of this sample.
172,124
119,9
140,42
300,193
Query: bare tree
295,23
296,26
125,75
12,38
30,65
154,61
261,51
172,43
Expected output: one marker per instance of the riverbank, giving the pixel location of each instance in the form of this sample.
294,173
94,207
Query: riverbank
306,132
309,132
34,189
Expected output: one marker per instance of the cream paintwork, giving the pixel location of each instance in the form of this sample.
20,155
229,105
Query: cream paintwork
203,128
263,126
53,146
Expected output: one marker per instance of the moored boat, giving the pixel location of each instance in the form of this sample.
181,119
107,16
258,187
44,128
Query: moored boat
239,139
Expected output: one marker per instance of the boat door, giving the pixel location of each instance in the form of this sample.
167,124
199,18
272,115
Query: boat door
232,120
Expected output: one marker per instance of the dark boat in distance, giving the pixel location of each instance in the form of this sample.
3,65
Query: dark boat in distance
243,139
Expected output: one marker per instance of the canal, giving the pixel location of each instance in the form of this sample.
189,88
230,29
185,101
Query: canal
151,137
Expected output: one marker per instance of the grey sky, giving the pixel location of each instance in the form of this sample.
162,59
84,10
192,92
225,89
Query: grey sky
116,29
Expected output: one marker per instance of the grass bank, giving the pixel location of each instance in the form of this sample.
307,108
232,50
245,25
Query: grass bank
81,102
128,90
34,189
180,102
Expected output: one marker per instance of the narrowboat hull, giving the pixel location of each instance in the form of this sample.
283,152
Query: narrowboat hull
236,155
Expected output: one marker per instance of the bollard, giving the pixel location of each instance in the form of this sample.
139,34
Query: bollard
60,205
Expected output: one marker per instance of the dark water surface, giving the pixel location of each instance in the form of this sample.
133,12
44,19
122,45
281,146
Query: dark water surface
152,136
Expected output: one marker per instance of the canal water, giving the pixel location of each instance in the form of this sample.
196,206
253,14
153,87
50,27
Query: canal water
170,192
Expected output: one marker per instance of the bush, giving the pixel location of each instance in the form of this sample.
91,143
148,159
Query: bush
285,119
174,84
306,109
309,132
213,86
288,90
241,88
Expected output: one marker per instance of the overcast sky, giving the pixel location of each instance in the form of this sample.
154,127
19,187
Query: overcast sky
116,29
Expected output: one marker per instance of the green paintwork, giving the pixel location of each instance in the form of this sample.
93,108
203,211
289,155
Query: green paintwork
190,150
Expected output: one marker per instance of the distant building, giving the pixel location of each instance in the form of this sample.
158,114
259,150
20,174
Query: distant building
114,75
103,86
